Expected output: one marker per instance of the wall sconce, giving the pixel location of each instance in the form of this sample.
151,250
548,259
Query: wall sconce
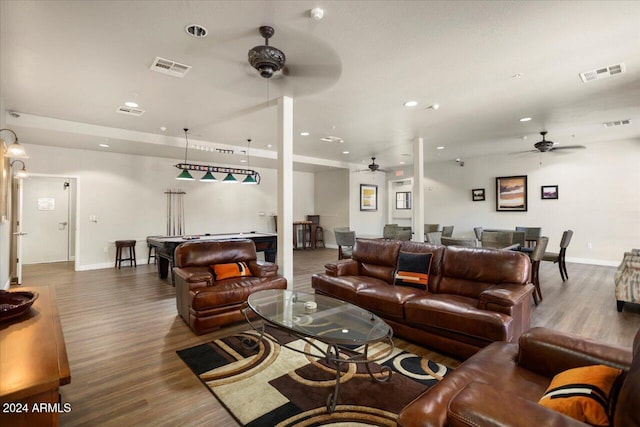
22,173
15,150
253,177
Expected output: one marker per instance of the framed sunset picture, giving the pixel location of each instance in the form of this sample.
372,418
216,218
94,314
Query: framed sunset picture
511,193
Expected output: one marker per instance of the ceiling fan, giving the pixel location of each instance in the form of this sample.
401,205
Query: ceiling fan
373,167
545,146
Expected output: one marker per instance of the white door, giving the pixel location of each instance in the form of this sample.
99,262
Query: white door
45,220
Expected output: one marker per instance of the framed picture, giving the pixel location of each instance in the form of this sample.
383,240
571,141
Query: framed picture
511,193
549,192
368,197
477,194
403,200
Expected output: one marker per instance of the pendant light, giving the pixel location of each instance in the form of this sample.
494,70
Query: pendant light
208,177
249,179
185,175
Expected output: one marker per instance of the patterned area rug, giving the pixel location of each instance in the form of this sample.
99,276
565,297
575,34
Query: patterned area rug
275,386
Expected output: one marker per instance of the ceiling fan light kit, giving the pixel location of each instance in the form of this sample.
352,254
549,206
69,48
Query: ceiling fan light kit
545,146
266,59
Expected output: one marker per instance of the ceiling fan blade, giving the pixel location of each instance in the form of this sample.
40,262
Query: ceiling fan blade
568,147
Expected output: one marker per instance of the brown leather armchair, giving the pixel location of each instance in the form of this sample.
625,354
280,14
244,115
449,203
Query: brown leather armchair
205,303
502,383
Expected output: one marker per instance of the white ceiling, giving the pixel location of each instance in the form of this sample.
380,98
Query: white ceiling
66,66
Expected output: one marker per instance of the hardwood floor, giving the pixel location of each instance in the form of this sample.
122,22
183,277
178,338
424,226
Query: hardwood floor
122,331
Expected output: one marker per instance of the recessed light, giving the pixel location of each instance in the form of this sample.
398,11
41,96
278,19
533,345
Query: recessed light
402,163
269,145
163,128
196,30
131,104
243,161
410,103
304,133
345,152
435,106
104,145
316,13
517,75
525,119
523,137
440,148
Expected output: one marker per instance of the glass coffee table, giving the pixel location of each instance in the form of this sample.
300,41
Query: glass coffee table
316,319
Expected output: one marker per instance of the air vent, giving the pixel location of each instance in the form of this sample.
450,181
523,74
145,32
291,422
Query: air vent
602,73
172,68
616,123
130,111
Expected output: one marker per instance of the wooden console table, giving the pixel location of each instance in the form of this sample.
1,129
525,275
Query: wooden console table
33,364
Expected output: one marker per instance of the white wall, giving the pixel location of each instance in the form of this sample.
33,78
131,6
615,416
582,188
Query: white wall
126,194
332,202
599,197
367,223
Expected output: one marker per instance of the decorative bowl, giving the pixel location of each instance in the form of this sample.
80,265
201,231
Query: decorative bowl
13,304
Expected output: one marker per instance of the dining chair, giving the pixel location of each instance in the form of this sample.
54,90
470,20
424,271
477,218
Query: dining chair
536,257
560,256
531,235
428,228
447,231
459,241
345,241
403,234
496,239
389,231
478,231
433,238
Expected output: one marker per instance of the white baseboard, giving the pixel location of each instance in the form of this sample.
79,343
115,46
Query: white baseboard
589,261
102,265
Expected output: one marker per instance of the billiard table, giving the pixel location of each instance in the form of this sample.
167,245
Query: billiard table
166,245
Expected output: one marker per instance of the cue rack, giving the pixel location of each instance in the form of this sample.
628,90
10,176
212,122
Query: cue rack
175,212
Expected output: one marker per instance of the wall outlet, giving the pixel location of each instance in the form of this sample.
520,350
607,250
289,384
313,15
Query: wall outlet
590,245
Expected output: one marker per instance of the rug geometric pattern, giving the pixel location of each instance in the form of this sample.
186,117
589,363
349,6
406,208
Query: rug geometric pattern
272,385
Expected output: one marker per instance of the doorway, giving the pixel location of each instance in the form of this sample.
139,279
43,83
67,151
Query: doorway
47,224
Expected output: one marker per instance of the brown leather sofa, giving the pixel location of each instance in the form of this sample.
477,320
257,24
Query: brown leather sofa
501,384
475,296
204,303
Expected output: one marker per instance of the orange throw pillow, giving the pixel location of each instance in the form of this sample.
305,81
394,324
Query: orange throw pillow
582,393
232,269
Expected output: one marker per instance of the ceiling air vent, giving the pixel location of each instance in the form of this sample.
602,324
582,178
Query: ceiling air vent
602,73
616,123
130,111
172,68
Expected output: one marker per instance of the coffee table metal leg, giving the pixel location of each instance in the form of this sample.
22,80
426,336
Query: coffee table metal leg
332,399
385,371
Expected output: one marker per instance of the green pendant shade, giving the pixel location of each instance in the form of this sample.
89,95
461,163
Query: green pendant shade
249,180
208,177
185,176
230,179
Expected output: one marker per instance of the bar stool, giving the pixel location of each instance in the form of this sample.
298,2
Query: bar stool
120,244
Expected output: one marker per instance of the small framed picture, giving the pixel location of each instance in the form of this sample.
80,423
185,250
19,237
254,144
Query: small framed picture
549,192
477,194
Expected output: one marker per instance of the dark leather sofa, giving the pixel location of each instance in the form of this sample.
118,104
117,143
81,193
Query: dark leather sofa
205,303
475,296
501,384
